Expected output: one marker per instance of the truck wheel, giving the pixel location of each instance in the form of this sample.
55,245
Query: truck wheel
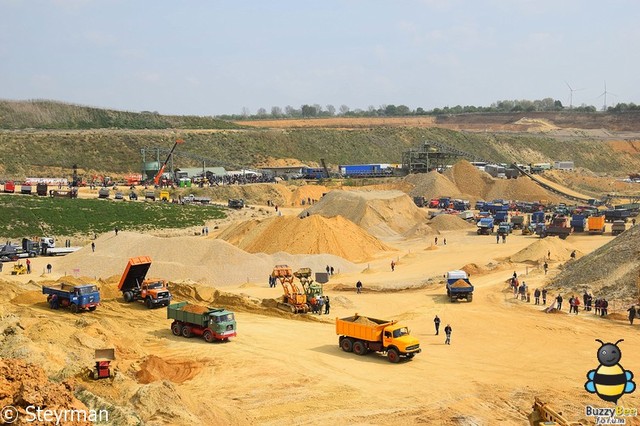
469,297
411,355
208,336
73,308
148,303
128,296
176,329
186,331
346,344
393,356
92,308
359,348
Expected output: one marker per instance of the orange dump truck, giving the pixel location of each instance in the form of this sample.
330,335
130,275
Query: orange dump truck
135,285
596,224
362,334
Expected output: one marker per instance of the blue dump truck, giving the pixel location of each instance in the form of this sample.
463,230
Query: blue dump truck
194,320
616,214
459,286
485,226
74,297
578,222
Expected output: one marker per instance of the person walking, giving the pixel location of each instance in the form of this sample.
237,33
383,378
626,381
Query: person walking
497,238
444,241
571,304
544,296
116,230
328,269
632,313
320,301
447,332
559,302
576,305
359,287
331,270
28,266
545,267
436,240
393,266
436,322
573,254
504,238
49,268
327,305
605,308
536,295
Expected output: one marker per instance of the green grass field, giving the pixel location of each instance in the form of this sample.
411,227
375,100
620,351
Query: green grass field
27,216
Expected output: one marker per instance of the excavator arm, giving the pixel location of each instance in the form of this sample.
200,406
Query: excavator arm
158,176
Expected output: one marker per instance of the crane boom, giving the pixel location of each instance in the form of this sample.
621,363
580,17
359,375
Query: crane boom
157,177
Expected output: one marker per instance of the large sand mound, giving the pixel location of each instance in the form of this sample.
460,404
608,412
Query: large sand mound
207,260
469,179
309,235
381,213
432,185
538,251
448,222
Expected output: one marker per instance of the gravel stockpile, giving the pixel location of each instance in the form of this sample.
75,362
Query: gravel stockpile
537,252
469,180
432,185
448,222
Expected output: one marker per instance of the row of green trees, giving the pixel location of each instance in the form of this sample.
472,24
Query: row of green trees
319,111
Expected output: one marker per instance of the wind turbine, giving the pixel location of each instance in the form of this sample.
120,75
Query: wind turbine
604,107
571,90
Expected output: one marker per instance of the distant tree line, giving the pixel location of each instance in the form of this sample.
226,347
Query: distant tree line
319,111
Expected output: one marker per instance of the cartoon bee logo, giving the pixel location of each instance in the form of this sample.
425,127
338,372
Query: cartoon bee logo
610,381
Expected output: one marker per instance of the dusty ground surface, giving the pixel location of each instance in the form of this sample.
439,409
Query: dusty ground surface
283,368
287,368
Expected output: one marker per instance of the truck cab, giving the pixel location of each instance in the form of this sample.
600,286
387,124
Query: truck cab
164,195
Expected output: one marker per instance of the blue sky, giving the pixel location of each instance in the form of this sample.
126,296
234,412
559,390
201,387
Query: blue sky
207,57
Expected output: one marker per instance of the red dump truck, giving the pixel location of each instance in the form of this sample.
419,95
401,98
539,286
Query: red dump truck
362,334
135,285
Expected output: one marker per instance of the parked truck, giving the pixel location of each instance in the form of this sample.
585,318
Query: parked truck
42,189
517,222
103,192
194,320
362,334
504,228
578,222
25,188
485,226
596,225
618,227
75,297
135,285
48,248
616,214
558,227
459,286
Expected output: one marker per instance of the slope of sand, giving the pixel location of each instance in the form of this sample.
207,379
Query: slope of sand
308,235
550,248
432,185
448,222
381,213
207,260
613,269
469,180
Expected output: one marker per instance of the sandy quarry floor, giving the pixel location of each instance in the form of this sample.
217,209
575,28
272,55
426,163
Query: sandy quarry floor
283,369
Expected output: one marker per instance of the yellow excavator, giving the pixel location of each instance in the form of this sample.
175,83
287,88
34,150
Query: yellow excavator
293,300
544,415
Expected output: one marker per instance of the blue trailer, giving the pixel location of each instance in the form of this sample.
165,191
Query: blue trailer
365,170
75,297
578,222
459,286
485,226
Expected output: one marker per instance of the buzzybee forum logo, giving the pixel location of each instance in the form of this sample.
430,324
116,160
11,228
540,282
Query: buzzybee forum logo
610,381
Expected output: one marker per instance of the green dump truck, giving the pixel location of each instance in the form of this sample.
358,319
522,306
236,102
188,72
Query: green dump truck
194,320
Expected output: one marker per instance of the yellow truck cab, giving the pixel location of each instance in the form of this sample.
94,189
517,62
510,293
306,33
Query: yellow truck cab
362,334
164,195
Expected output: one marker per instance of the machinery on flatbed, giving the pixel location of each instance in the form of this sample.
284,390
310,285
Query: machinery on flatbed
362,334
194,320
545,415
135,285
75,297
293,300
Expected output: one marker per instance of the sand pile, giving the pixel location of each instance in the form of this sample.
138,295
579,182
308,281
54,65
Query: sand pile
537,252
523,189
381,213
22,385
432,185
311,235
612,270
469,179
449,222
306,192
420,230
153,369
460,284
257,193
199,259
